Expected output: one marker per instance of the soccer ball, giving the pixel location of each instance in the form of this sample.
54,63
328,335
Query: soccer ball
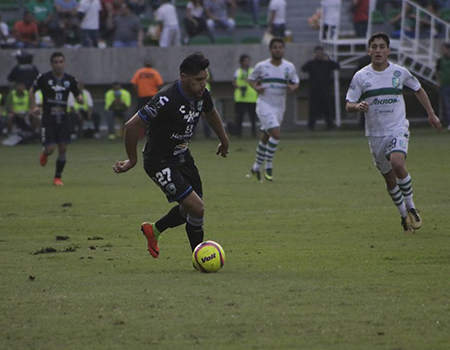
208,256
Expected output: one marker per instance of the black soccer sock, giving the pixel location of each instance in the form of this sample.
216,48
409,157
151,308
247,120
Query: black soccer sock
172,219
60,163
195,235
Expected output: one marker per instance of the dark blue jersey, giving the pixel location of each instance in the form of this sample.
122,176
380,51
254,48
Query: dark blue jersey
171,117
55,94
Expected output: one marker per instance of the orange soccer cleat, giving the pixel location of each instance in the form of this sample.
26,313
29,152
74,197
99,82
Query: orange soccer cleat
152,244
57,182
43,160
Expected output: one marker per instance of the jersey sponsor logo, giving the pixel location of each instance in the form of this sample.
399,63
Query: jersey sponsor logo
58,88
190,117
151,111
66,84
367,85
384,101
200,105
50,82
397,73
171,189
162,100
395,82
352,87
181,148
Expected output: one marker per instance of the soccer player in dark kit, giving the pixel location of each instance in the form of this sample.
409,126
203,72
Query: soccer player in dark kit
170,117
55,129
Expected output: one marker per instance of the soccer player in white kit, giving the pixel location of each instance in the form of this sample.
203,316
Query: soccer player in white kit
376,90
272,79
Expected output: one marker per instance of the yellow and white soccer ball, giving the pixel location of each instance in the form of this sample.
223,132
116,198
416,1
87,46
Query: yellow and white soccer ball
208,256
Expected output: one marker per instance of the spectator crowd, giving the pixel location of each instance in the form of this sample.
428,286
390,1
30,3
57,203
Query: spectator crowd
132,23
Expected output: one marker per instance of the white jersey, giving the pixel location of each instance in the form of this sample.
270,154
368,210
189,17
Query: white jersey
383,92
167,14
274,80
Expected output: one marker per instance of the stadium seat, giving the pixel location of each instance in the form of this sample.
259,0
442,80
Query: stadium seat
9,4
146,22
181,3
262,20
445,14
250,40
225,40
200,40
377,17
243,20
393,13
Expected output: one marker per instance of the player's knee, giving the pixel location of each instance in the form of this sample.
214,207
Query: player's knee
199,211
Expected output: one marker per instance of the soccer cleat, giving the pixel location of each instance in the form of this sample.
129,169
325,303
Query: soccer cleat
57,182
414,218
268,174
406,225
152,243
43,160
257,174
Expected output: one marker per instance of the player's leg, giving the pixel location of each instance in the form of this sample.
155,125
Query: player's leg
396,152
60,164
397,197
403,180
260,156
271,148
239,110
378,150
193,205
48,139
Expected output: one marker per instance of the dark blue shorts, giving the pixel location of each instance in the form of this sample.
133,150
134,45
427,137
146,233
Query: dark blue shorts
177,182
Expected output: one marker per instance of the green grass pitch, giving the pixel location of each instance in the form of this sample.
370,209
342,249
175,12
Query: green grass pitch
315,260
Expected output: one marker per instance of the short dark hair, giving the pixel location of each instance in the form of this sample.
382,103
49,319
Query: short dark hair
318,48
56,54
194,64
379,35
276,40
243,57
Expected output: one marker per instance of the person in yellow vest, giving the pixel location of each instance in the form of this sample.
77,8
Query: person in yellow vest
81,113
244,96
117,102
18,111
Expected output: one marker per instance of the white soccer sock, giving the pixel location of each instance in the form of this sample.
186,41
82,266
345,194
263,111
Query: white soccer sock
260,156
271,148
407,191
397,198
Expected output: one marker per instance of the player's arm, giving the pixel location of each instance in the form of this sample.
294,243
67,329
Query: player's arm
35,110
257,86
352,107
213,119
292,87
131,137
425,102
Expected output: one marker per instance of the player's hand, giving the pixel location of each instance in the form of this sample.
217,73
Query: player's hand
260,90
363,107
435,122
123,166
36,111
222,149
290,88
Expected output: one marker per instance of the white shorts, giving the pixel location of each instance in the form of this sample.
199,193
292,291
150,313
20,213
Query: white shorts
382,148
269,118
